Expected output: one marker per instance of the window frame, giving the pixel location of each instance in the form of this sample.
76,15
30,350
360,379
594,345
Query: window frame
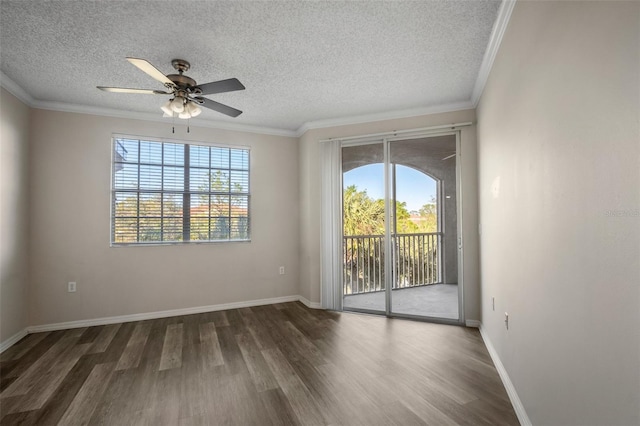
186,191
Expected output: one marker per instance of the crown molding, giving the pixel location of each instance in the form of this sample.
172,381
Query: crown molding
17,91
389,115
25,97
497,33
13,88
147,116
499,28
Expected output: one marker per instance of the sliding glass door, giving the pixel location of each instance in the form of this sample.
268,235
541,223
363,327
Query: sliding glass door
423,196
400,252
364,227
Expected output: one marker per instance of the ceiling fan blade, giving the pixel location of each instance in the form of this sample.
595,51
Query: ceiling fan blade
221,86
216,106
127,90
154,72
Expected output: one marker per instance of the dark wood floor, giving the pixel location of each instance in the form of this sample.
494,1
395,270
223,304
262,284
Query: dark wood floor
280,364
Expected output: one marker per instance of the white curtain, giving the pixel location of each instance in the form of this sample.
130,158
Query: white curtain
331,225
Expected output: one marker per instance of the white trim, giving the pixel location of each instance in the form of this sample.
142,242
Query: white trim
499,28
395,135
497,33
21,94
388,179
148,116
460,248
308,303
390,115
160,314
13,88
506,381
152,315
13,340
472,323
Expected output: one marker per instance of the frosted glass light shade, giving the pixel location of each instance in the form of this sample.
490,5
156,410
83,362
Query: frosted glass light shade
177,105
166,108
187,110
193,109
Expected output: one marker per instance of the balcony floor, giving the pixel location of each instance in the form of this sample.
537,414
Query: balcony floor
436,300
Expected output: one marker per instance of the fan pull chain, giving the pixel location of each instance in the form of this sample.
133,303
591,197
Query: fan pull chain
188,120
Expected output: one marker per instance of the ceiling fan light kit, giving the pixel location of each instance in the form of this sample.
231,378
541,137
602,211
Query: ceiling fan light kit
187,94
181,108
177,104
193,110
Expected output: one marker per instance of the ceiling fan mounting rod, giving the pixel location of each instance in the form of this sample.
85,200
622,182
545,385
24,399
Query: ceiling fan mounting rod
180,65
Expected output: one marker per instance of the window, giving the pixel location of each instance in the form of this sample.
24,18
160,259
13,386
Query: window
167,192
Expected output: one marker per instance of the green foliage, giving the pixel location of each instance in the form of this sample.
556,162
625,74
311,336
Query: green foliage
415,255
362,214
404,224
428,217
365,216
150,227
215,216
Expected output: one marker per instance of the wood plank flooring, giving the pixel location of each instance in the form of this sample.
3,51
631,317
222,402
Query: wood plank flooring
280,364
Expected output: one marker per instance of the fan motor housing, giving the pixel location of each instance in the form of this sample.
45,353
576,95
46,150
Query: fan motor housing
182,81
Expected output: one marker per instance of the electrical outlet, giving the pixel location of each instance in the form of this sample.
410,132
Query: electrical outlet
282,270
71,287
493,303
506,320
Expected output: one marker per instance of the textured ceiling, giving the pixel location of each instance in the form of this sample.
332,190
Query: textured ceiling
300,61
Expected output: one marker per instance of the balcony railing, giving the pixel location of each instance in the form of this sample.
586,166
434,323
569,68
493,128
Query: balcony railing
415,261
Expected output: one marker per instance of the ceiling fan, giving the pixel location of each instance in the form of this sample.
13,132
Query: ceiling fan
187,94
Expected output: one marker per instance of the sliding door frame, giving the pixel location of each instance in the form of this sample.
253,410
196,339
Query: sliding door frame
346,144
386,141
459,210
331,268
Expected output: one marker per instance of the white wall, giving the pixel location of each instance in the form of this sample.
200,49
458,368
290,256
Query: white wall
559,147
14,187
310,198
70,222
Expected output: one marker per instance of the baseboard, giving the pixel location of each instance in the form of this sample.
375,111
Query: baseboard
160,314
472,323
13,340
308,303
506,380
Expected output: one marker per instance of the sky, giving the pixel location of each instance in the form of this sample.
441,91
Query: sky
413,187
